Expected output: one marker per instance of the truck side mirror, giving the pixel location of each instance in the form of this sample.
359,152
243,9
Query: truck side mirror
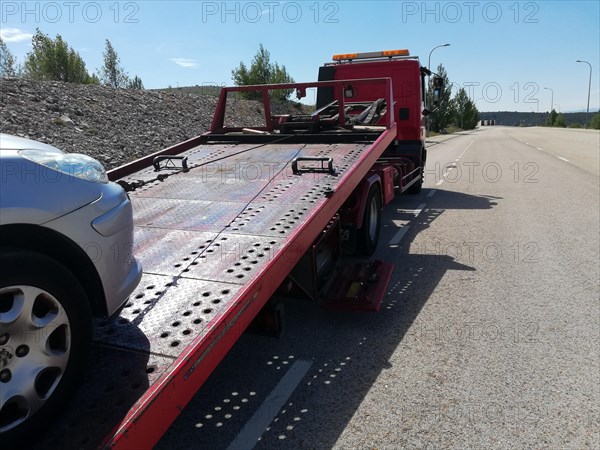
438,85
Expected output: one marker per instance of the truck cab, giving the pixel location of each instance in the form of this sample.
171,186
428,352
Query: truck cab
407,154
408,82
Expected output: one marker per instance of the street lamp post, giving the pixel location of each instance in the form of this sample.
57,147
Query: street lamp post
429,59
552,99
428,83
587,114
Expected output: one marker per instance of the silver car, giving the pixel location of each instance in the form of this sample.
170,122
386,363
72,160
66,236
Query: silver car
66,239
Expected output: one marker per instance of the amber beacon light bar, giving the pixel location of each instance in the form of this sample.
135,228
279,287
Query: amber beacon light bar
371,55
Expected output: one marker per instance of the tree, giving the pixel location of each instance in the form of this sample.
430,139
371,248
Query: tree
111,73
262,71
551,118
135,83
442,114
53,59
466,114
8,63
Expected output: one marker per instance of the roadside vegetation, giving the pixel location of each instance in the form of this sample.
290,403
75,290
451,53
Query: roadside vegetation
54,60
452,113
554,119
262,71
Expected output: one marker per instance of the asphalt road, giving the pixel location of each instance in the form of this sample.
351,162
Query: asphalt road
488,337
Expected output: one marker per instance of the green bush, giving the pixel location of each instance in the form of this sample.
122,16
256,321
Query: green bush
53,59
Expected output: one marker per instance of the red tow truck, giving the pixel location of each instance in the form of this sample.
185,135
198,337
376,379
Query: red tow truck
233,218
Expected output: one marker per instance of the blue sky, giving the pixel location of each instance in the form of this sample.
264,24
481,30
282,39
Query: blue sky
506,51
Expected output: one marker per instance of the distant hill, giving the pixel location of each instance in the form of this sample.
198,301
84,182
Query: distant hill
529,119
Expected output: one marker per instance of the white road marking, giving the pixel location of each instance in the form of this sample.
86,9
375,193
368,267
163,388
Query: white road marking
540,148
399,235
564,159
432,193
420,208
416,212
472,142
264,415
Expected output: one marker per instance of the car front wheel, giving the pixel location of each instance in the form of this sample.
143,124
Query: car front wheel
45,333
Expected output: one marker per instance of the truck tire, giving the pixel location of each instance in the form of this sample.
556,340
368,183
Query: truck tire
368,235
45,334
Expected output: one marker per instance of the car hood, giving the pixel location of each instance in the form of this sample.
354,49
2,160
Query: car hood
35,194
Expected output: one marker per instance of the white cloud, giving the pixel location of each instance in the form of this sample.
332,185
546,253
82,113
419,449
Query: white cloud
185,62
14,35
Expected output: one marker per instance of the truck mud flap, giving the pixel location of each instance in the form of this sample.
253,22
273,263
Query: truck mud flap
359,286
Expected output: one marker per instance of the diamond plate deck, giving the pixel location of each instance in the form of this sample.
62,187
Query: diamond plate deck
169,252
190,215
165,314
203,236
204,233
234,258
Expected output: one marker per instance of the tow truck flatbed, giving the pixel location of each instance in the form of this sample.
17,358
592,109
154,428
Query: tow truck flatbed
216,235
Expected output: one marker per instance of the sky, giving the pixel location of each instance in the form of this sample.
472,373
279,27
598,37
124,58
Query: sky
509,55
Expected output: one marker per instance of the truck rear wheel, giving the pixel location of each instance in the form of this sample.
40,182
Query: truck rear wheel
45,332
368,234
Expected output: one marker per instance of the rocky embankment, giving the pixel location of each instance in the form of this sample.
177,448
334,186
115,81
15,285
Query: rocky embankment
112,125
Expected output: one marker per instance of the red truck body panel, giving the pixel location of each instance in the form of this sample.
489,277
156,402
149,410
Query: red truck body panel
406,79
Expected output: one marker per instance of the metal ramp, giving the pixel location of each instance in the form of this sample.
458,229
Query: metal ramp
211,240
220,221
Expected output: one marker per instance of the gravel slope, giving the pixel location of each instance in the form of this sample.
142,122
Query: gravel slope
113,125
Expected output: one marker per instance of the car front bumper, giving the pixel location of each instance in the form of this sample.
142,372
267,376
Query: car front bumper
104,230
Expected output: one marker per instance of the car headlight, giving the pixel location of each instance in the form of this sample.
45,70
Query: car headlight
74,164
